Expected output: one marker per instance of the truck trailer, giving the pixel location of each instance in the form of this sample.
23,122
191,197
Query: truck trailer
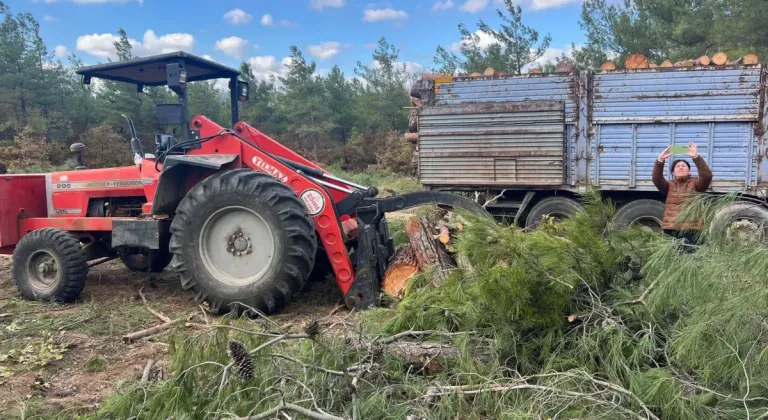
536,141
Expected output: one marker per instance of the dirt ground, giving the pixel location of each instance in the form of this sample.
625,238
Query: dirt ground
64,359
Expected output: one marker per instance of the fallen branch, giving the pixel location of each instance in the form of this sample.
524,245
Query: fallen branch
159,315
147,370
494,199
307,365
132,337
642,297
291,407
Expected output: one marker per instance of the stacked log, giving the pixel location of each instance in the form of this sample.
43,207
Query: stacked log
565,66
636,61
702,61
489,71
666,64
748,59
537,70
720,59
608,65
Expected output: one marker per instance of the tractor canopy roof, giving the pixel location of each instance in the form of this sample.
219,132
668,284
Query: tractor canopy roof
151,71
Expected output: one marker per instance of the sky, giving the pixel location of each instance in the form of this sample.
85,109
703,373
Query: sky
329,32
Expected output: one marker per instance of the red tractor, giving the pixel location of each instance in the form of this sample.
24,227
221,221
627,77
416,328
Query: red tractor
242,217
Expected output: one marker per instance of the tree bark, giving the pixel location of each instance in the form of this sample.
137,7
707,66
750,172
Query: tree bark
720,59
402,268
428,250
636,61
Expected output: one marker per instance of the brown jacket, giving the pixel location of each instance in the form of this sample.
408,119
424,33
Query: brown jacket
679,190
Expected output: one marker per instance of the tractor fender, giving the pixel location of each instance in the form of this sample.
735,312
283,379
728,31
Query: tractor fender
173,182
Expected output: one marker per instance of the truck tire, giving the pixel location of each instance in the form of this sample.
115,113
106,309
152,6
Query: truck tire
140,262
49,265
558,207
242,237
646,212
744,220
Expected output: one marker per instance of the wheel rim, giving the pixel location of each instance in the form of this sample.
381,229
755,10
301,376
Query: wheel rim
650,222
43,270
746,230
236,245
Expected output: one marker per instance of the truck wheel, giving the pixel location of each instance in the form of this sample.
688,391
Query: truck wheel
647,212
140,262
49,265
242,236
557,207
743,221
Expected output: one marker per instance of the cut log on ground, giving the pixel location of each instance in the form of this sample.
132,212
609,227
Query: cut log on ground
489,71
608,65
702,61
636,61
666,64
429,252
402,268
565,66
720,59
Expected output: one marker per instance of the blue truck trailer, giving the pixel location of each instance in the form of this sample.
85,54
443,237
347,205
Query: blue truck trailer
536,141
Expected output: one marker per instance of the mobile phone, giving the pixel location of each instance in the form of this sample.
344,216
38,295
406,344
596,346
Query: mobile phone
678,150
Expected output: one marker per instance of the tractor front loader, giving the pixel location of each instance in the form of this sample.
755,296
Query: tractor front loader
238,216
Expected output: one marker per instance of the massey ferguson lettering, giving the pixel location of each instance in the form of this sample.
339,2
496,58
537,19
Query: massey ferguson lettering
264,166
87,185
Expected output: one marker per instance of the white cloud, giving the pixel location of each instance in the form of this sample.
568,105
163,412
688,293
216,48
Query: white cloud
232,46
325,50
485,40
442,5
61,51
285,22
322,4
49,18
473,6
103,45
551,54
265,67
375,15
550,4
238,17
267,20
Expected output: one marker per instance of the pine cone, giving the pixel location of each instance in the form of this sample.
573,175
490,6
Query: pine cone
241,359
312,328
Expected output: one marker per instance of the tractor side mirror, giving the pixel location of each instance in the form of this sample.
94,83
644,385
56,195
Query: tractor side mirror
243,90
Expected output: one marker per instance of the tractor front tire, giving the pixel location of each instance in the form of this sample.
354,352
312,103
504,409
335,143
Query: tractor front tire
140,262
50,265
243,239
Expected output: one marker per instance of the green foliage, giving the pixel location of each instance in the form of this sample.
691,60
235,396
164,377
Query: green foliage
516,45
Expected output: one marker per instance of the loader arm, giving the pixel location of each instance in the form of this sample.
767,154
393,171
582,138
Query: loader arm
329,202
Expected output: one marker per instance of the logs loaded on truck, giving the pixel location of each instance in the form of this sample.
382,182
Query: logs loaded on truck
532,143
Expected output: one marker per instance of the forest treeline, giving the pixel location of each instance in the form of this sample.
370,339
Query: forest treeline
349,119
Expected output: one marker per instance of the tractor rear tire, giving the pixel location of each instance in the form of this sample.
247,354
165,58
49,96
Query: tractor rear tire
50,265
241,239
558,207
140,262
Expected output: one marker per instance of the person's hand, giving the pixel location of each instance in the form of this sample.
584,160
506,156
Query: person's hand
692,150
665,154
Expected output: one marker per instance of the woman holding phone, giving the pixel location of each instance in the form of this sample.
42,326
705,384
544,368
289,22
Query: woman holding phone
679,189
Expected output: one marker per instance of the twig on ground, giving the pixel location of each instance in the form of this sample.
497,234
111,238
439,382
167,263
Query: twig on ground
642,297
159,315
291,407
